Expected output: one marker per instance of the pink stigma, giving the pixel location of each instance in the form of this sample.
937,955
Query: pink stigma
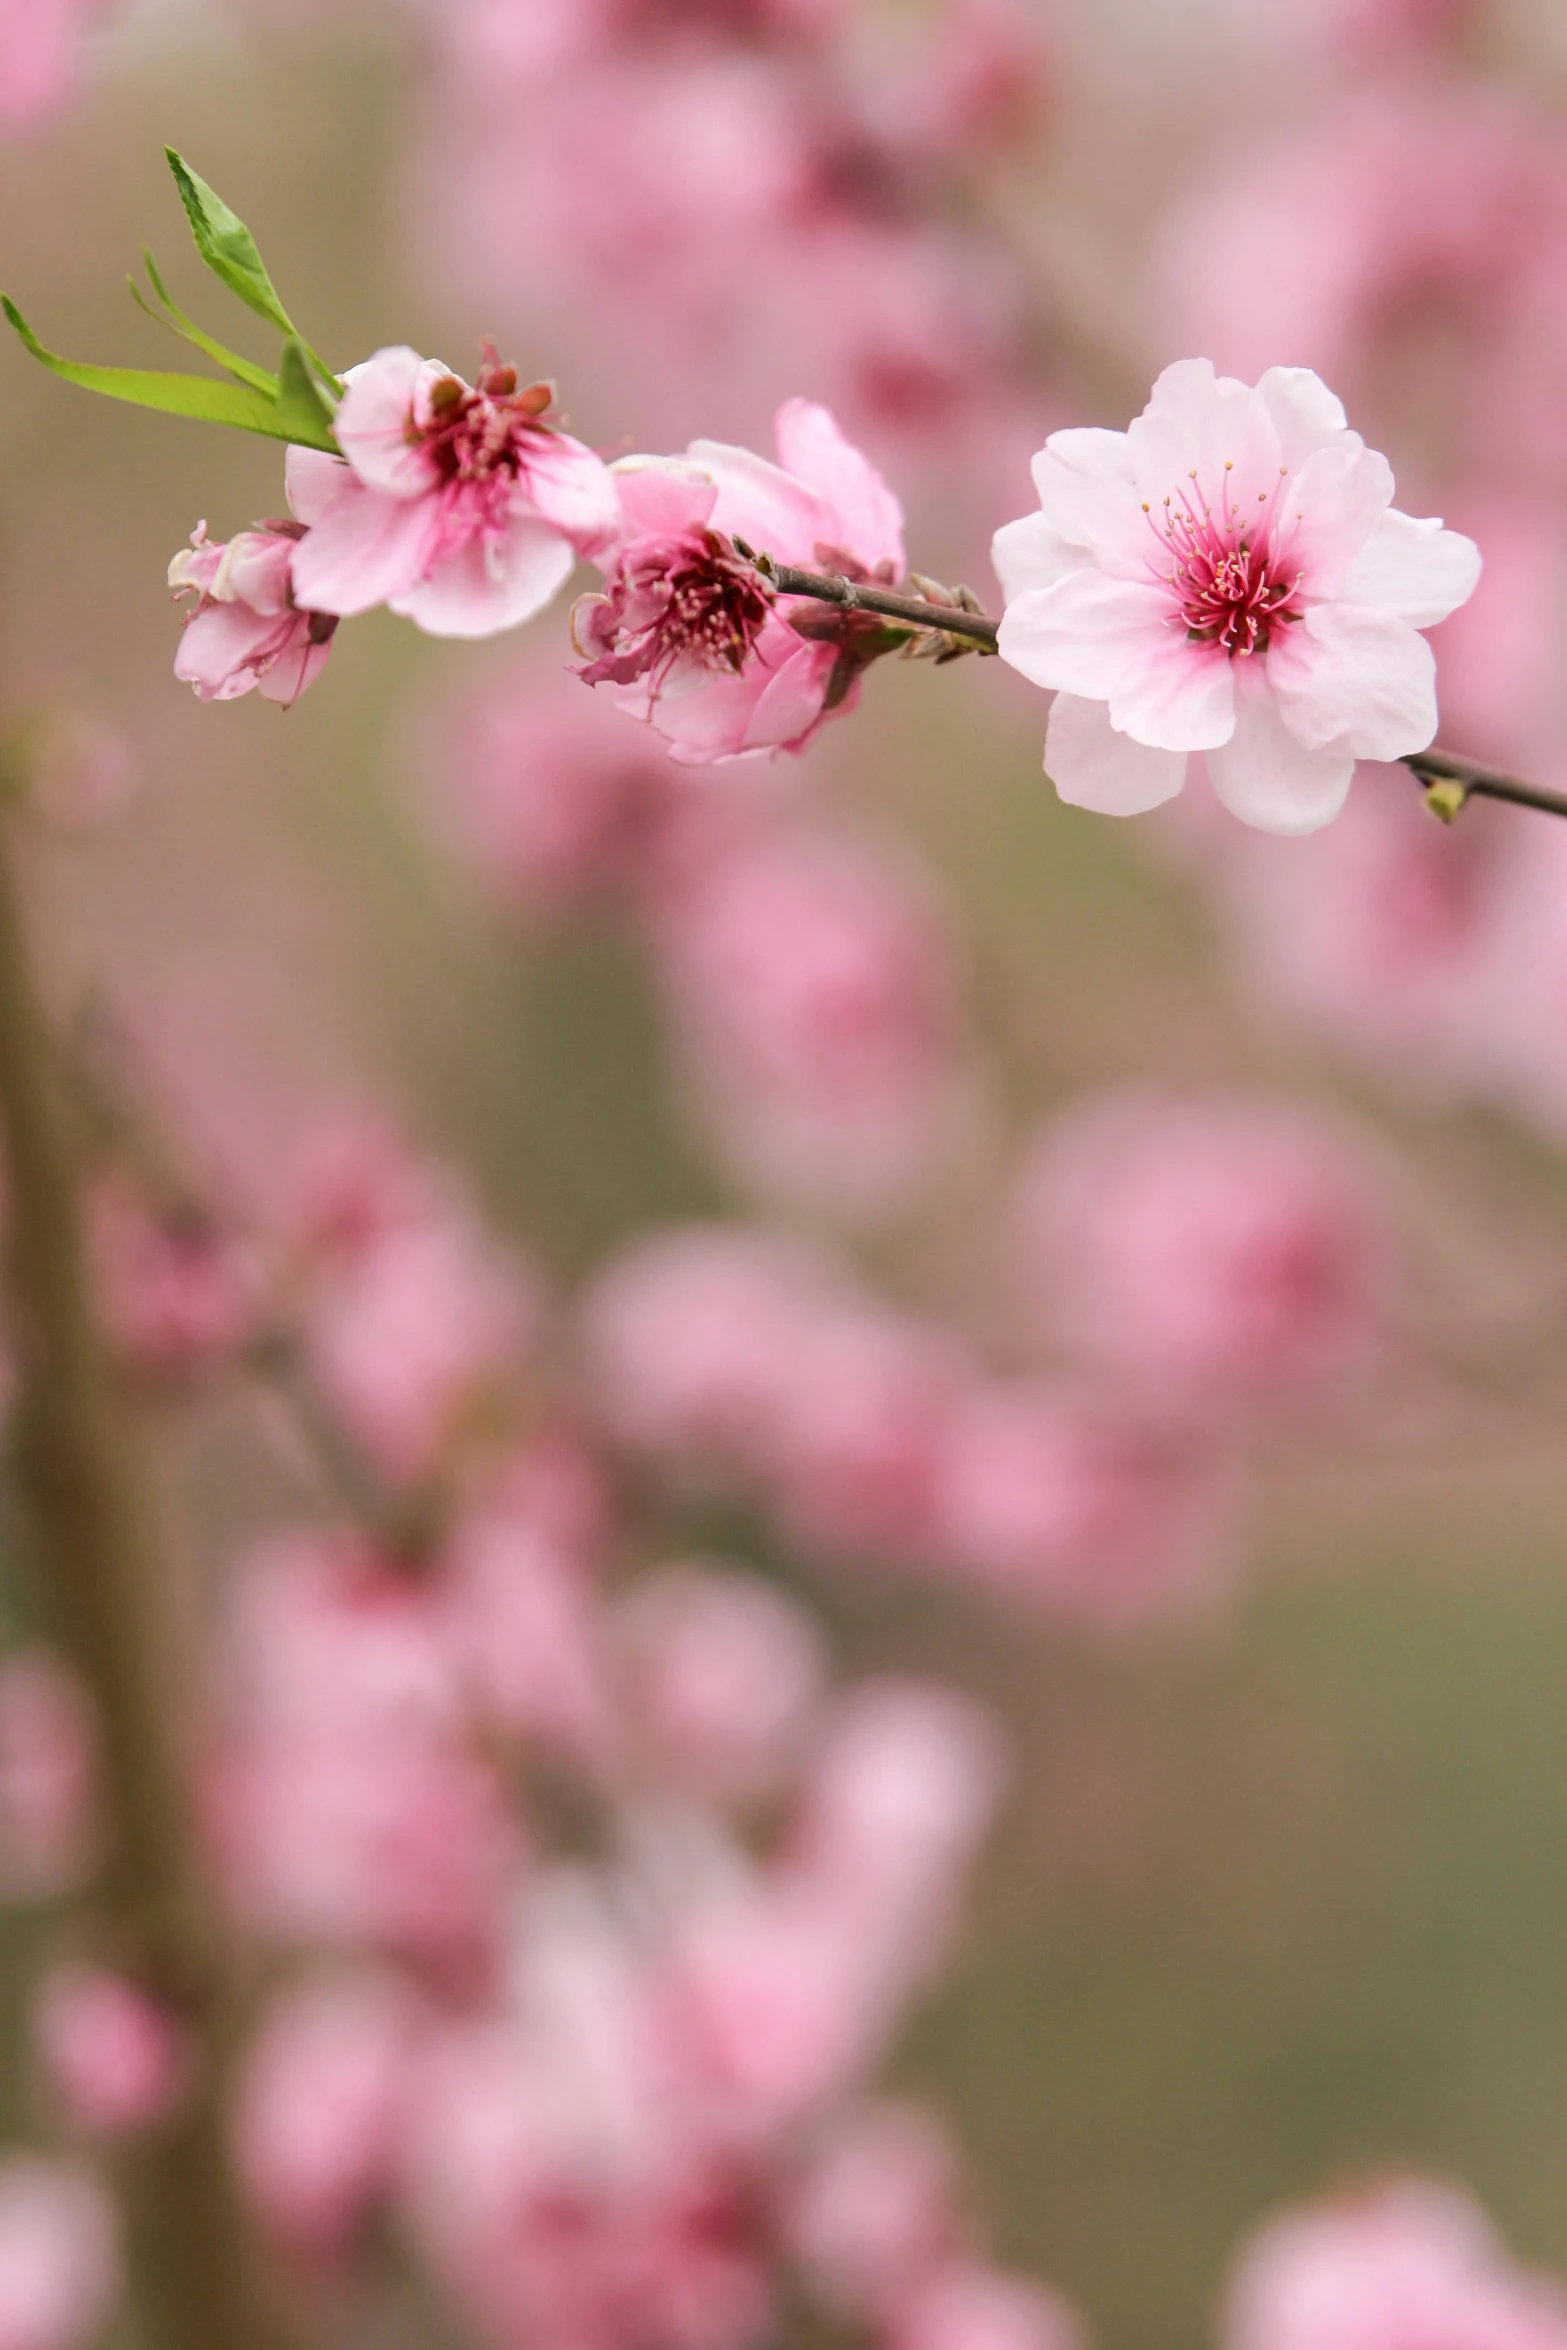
1229,578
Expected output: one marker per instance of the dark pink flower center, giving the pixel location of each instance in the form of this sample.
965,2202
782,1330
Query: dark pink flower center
1232,581
476,430
688,599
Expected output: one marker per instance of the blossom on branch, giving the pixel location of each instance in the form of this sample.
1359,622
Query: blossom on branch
693,636
246,630
1228,577
458,505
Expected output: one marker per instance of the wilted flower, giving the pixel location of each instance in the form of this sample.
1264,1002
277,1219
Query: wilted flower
1227,577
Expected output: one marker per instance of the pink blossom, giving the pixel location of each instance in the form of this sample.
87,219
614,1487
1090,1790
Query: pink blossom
878,2208
59,2255
971,2307
1400,2264
48,1759
40,45
459,506
1050,1501
319,2104
114,2059
523,1623
247,631
723,1679
1220,1246
1228,577
174,1295
811,981
691,634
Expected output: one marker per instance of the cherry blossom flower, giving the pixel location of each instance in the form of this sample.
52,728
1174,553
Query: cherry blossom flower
972,2307
1228,578
114,2059
40,44
59,2255
247,632
878,2207
461,506
1400,2262
690,633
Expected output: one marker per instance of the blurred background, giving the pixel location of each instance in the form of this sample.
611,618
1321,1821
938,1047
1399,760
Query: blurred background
1112,1271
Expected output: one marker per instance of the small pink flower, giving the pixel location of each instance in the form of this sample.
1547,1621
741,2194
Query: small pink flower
1227,577
59,2255
113,2059
458,505
971,2307
691,634
247,632
1396,2264
176,1297
879,2208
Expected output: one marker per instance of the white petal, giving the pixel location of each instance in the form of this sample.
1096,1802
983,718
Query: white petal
1033,554
1328,511
1350,675
1206,439
1414,569
1265,775
1092,766
1088,493
1306,415
1085,633
1181,697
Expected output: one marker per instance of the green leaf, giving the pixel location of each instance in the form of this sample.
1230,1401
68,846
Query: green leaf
198,396
227,246
302,406
245,370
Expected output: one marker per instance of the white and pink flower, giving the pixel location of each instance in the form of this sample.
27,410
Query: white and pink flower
459,505
690,632
1227,578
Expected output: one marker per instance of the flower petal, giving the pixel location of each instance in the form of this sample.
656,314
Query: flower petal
1414,569
371,549
490,585
1306,415
1204,439
372,422
1085,633
1265,775
1088,493
1329,511
1092,766
869,517
776,513
1353,676
1180,697
662,495
218,646
317,484
1032,554
573,490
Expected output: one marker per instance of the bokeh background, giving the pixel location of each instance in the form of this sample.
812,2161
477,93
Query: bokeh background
1279,1895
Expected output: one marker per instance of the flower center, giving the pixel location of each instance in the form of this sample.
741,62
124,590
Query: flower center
688,599
475,430
1232,584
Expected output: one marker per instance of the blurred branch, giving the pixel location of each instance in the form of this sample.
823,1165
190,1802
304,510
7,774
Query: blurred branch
109,1599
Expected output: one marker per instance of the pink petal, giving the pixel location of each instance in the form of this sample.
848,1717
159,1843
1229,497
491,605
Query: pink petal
1088,493
216,646
1306,415
791,702
869,517
255,570
661,496
487,586
1416,570
369,550
1330,510
776,513
316,484
372,423
1033,554
1265,775
1112,641
298,668
1205,437
573,490
1179,697
1092,766
1353,677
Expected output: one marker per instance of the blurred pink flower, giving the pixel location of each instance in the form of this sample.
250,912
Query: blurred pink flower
59,2255
722,1678
525,1628
1399,2264
878,2208
459,506
48,1760
40,47
113,2058
1051,1502
1206,1246
971,2307
691,634
175,1296
1227,577
810,977
319,2105
246,630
